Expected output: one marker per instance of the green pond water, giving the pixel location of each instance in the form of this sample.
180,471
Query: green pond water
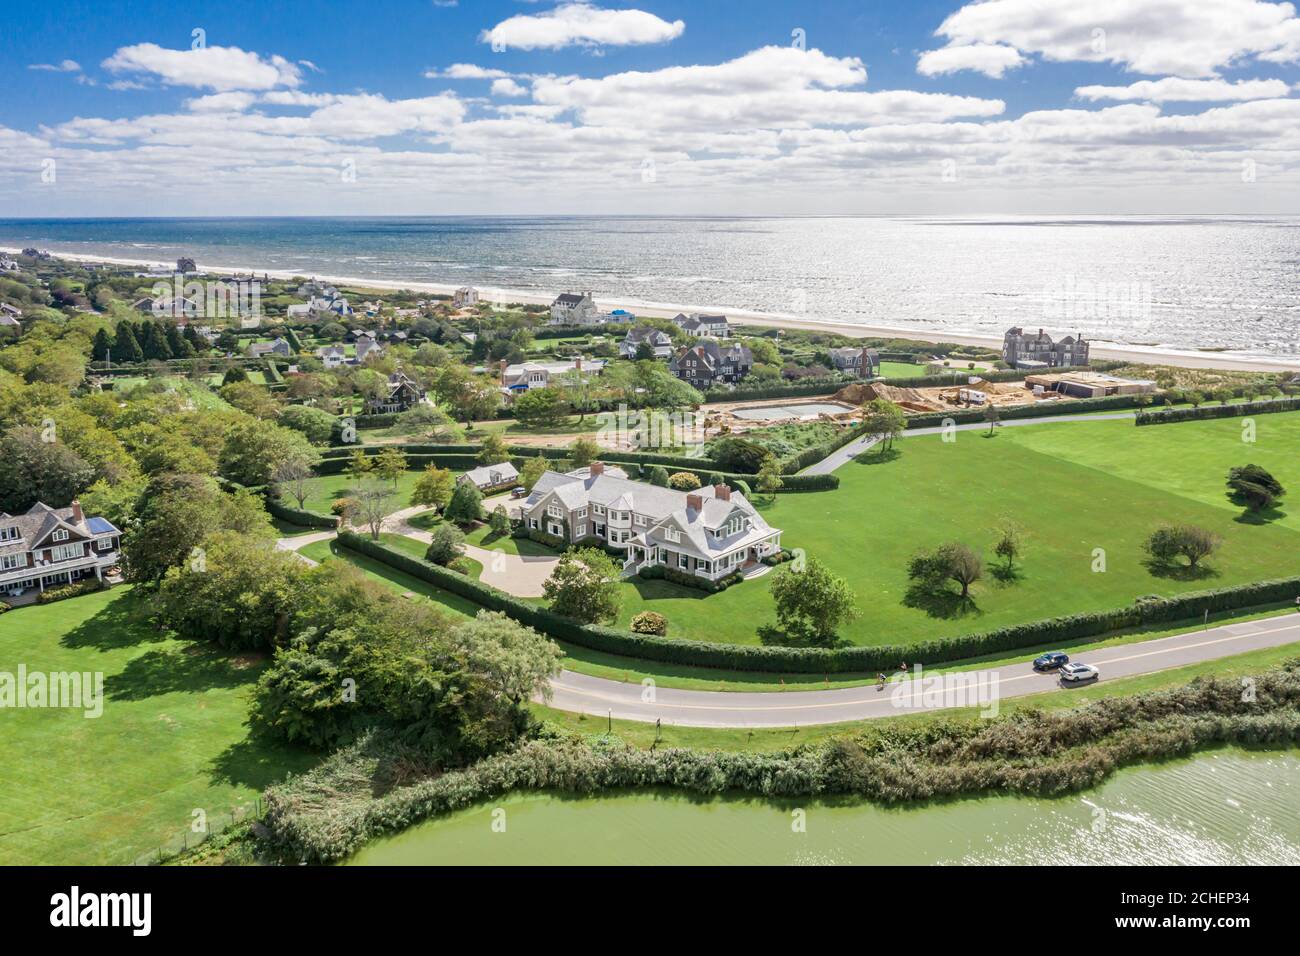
1224,807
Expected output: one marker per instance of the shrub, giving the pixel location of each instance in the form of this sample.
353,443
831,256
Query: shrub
446,544
1171,415
88,586
650,622
684,480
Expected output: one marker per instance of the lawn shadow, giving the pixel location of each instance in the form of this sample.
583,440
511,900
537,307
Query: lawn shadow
121,623
772,636
939,602
192,668
657,589
878,456
1179,572
258,761
1258,518
1006,575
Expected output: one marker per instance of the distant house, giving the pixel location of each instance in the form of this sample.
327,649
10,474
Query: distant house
367,347
492,477
569,308
1039,351
11,313
660,343
863,362
8,265
166,306
700,325
617,317
707,364
526,375
186,264
332,356
299,312
45,546
329,305
465,297
403,393
277,346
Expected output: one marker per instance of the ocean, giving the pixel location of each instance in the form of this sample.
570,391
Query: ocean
1228,284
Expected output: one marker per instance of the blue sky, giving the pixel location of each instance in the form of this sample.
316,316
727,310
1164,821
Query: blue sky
504,106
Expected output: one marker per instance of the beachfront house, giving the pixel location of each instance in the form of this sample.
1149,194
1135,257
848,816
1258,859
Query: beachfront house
700,325
707,364
465,297
492,477
862,362
1039,351
403,393
526,375
45,547
709,533
186,264
569,308
660,343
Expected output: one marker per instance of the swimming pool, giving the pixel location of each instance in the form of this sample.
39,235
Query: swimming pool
797,411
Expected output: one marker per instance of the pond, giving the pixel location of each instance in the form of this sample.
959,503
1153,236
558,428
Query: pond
1224,807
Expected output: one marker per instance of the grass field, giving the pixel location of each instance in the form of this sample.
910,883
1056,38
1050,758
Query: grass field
172,738
324,490
1073,487
391,577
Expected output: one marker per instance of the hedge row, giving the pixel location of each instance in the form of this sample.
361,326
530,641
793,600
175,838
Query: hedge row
1037,410
819,660
1240,409
334,466
299,516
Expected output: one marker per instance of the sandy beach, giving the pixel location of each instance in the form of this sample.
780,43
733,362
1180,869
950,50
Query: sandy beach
1101,349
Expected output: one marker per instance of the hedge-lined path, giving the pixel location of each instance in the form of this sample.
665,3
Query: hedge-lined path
522,576
301,541
580,693
855,448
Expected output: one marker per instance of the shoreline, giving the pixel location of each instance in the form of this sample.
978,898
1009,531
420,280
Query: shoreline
1102,349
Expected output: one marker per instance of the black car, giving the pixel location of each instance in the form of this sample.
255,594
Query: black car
1050,661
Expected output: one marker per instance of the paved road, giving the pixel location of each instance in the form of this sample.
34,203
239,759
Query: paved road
855,448
593,695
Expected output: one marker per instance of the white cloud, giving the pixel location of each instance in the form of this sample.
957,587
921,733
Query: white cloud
235,102
508,87
580,24
215,67
467,71
1171,37
1174,90
63,66
991,59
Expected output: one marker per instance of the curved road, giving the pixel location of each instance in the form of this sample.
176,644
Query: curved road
690,708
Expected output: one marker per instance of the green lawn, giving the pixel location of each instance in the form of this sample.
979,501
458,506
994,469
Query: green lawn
1073,486
482,537
901,370
391,577
324,490
172,737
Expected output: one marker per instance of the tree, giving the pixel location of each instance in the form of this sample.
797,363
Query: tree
541,407
390,465
769,477
234,374
474,398
738,455
466,504
317,424
499,522
883,421
1169,542
446,544
372,506
434,487
684,481
812,604
254,449
252,399
359,465
949,562
295,473
102,347
583,452
584,586
992,416
126,349
515,660
1009,543
33,469
494,450
659,476
534,468
1252,486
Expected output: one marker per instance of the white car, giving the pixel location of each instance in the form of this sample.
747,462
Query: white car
1078,673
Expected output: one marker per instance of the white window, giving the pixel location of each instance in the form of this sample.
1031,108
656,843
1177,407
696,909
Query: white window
10,561
11,533
672,534
104,544
598,509
683,561
580,513
580,531
640,520
60,535
703,566
532,523
66,552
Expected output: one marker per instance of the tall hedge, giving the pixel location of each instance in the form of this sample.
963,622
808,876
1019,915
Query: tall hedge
1237,410
819,660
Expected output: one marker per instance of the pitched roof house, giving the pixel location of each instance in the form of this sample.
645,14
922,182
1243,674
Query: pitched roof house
45,546
278,346
860,361
707,363
403,393
709,533
489,477
661,343
698,324
569,308
526,375
465,296
332,356
1039,351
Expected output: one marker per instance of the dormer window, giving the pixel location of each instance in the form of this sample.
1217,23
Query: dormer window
672,534
59,535
10,533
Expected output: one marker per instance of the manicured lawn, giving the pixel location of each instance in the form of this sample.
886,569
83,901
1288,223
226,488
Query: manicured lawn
1073,486
172,737
324,490
901,370
391,577
482,537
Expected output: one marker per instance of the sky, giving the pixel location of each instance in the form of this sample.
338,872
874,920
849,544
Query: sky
511,107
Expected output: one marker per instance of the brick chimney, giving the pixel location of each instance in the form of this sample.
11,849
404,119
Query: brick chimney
695,502
77,516
723,492
596,468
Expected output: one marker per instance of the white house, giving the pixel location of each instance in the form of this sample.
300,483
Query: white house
464,297
660,343
45,547
492,477
709,533
569,308
526,375
333,356
698,324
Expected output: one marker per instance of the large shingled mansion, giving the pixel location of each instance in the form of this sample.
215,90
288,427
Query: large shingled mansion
708,533
45,547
